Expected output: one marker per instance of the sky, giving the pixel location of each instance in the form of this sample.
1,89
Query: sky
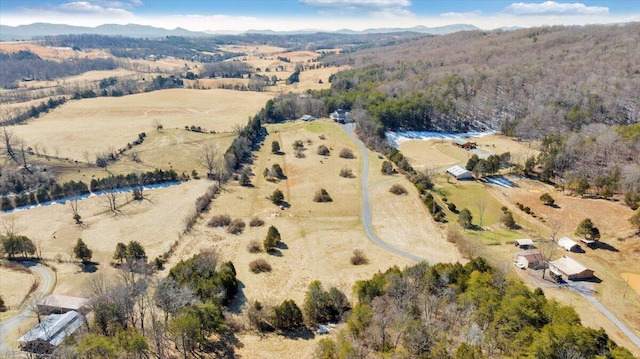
327,15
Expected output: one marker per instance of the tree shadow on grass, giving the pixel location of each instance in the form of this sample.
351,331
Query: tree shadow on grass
239,300
89,267
275,252
605,246
303,334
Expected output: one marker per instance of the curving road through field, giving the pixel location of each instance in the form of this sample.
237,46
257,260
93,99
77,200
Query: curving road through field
366,206
46,284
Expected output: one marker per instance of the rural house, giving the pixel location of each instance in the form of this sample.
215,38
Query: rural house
531,260
571,269
339,115
60,304
464,144
460,173
524,243
568,244
45,337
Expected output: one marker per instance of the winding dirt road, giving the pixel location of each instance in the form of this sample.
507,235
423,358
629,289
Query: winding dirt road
366,207
46,282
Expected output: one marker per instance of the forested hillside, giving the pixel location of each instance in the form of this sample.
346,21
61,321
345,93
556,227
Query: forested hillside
455,311
528,82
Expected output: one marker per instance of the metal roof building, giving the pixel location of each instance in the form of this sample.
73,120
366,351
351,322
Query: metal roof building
45,337
459,172
568,244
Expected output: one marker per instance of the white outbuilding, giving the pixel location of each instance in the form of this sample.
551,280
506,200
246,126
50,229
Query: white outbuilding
568,244
460,173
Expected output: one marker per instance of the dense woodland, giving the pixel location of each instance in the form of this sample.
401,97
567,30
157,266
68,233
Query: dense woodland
455,311
528,82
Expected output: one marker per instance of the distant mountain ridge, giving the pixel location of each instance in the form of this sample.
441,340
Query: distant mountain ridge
26,32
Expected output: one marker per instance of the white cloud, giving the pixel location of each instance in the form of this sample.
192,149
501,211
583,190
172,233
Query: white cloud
399,7
88,8
555,8
462,15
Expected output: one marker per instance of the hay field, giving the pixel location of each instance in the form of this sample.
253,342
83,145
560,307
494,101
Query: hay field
176,149
99,123
14,286
318,238
443,153
51,53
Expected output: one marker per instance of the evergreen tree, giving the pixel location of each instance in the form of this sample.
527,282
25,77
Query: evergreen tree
82,252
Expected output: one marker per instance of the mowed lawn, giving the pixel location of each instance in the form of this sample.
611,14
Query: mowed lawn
95,125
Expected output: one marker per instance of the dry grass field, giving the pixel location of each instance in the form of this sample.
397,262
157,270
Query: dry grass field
318,238
437,154
14,286
184,146
96,124
51,53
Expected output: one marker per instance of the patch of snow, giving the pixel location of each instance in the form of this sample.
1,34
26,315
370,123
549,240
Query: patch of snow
500,181
395,138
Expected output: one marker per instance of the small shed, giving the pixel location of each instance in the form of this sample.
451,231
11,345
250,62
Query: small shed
460,173
531,260
61,304
524,243
568,244
45,337
569,268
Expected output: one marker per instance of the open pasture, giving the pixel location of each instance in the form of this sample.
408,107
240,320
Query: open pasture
14,286
438,154
97,124
318,238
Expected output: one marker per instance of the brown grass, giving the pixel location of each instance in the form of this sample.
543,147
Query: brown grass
96,124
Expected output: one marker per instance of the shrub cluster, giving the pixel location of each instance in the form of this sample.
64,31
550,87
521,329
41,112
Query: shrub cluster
260,266
254,247
236,226
347,153
221,220
323,150
346,173
398,189
256,222
322,196
359,257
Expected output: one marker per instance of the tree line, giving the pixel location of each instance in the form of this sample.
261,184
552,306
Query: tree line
56,191
22,65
